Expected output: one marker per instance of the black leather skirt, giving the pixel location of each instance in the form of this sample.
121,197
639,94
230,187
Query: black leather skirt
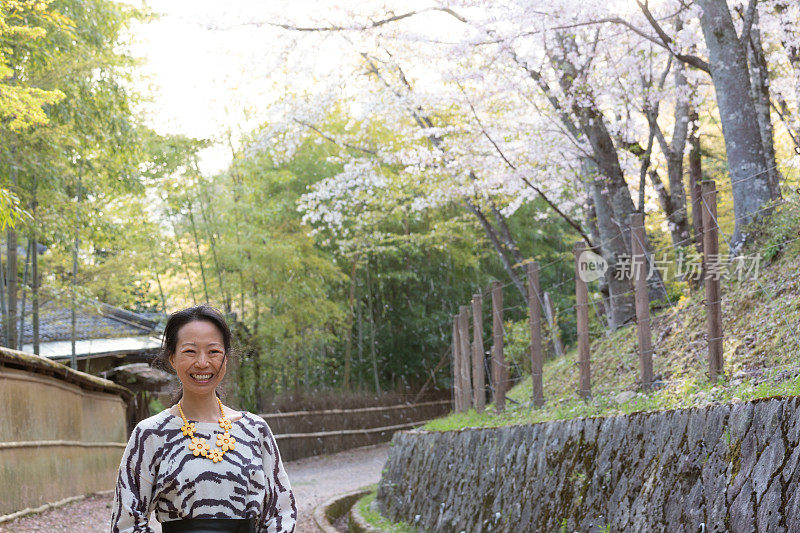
209,525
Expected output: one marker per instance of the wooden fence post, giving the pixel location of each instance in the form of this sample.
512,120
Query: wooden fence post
457,395
641,299
712,274
498,360
535,323
478,372
463,336
582,313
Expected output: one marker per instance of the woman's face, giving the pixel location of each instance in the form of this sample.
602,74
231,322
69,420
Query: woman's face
199,358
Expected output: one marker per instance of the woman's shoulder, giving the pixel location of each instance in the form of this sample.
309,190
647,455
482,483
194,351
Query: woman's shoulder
154,423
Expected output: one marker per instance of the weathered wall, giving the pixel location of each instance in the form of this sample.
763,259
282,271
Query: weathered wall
62,432
309,433
730,467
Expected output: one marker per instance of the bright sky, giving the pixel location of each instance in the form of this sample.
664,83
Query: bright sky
207,72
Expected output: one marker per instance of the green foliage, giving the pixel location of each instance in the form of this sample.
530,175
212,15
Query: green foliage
772,234
376,520
23,26
155,406
760,352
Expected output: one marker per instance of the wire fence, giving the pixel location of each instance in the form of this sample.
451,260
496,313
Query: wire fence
502,372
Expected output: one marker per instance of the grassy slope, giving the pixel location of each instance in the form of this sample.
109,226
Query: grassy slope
761,324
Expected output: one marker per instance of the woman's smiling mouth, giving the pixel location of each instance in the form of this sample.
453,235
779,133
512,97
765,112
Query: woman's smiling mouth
202,378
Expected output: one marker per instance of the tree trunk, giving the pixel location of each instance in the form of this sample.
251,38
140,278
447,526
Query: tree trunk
257,377
695,177
678,217
507,260
594,233
612,246
199,255
74,284
35,289
25,281
158,277
11,281
373,356
759,78
3,301
184,262
349,342
743,143
505,232
612,186
360,337
35,270
212,241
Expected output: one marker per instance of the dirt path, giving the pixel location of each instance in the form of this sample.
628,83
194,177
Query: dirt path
314,480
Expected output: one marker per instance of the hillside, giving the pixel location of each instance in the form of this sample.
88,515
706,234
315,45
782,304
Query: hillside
761,320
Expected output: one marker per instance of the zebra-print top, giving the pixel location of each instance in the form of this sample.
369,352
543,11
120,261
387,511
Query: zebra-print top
158,473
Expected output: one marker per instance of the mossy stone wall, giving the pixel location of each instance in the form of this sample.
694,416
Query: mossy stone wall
720,468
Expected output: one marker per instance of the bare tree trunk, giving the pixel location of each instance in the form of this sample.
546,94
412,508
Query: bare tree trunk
35,290
25,281
743,143
199,255
349,343
695,177
257,377
4,301
360,337
505,232
594,232
11,279
612,248
35,269
612,186
508,261
212,240
184,262
74,284
759,78
372,334
158,277
678,216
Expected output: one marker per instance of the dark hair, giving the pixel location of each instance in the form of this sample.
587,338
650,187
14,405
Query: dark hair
178,319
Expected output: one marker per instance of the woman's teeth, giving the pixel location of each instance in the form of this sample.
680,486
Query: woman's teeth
201,377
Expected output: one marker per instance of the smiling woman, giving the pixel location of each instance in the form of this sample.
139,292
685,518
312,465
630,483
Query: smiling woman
200,465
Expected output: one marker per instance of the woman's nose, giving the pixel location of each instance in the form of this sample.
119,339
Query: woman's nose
202,360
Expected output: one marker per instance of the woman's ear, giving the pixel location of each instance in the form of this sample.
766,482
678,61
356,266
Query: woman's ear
171,360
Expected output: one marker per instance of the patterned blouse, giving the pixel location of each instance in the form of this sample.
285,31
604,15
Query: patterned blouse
159,473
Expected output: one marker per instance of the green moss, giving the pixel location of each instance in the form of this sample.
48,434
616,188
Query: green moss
377,520
734,457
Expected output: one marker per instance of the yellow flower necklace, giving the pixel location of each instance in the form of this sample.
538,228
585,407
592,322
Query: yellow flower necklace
199,446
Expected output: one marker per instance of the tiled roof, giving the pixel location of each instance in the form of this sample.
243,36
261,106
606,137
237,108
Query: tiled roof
93,321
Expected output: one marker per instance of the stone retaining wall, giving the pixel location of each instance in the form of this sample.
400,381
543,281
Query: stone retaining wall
719,468
309,433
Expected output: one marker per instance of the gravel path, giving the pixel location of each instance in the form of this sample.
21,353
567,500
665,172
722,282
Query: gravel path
313,480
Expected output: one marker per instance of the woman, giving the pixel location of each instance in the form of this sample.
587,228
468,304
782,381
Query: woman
200,465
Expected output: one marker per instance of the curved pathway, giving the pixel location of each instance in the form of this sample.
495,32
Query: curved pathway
314,480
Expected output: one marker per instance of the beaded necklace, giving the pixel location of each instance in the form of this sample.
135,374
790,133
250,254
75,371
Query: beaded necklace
199,446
